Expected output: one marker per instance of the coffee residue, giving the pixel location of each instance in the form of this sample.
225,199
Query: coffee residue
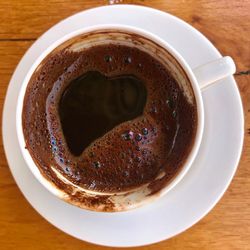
108,118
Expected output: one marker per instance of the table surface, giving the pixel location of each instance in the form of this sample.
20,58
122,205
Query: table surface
226,24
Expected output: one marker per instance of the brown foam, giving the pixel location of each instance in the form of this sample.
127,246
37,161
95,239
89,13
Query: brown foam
110,163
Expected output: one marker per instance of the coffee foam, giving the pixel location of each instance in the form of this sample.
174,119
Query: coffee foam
125,164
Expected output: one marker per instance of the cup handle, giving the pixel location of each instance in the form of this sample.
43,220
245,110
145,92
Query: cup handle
211,72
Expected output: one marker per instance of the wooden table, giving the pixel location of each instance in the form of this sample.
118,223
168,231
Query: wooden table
226,24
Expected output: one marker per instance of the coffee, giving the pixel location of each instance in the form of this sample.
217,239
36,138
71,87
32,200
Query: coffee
108,117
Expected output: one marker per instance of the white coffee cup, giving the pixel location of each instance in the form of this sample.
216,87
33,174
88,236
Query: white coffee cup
200,78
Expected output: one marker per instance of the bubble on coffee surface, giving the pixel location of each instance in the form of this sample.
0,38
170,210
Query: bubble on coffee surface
138,137
128,135
109,89
96,164
128,59
144,131
108,58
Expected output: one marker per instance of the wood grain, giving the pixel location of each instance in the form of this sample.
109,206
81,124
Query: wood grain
227,25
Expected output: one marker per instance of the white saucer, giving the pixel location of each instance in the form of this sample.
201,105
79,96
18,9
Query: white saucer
203,185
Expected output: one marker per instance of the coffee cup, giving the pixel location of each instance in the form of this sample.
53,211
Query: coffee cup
199,79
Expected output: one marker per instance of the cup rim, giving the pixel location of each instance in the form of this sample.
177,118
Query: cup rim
124,28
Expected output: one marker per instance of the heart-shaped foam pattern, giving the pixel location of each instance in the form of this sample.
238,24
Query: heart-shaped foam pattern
94,104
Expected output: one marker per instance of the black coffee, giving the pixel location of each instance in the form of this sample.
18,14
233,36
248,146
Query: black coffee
108,118
94,104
